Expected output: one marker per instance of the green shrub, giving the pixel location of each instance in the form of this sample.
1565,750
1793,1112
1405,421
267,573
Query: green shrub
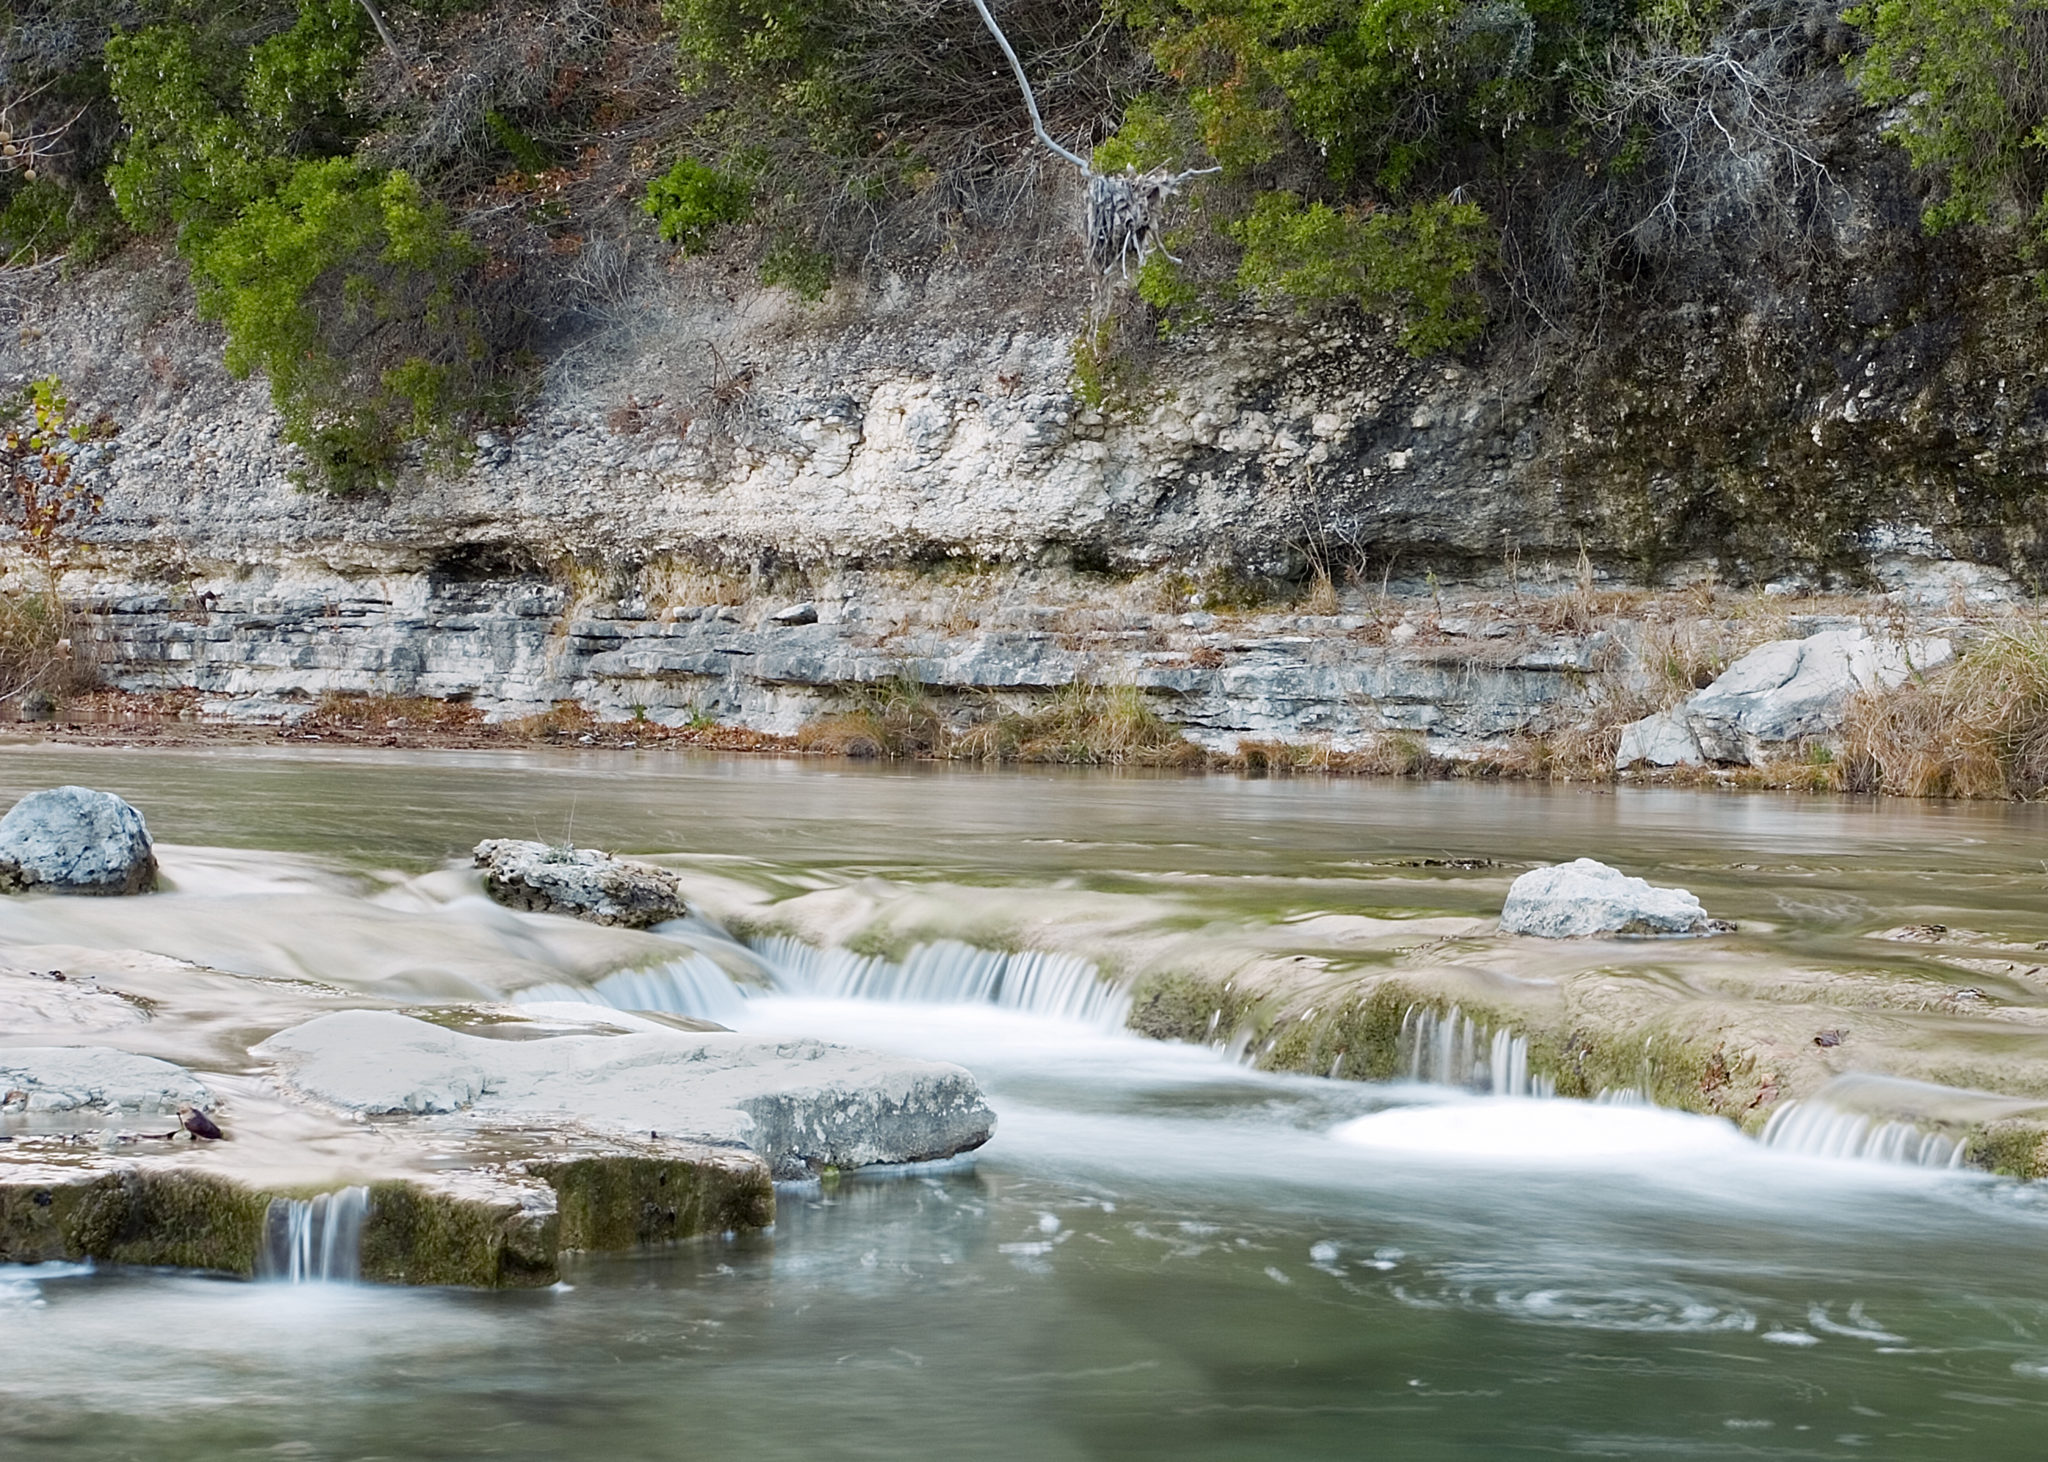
43,219
344,284
692,200
302,277
1421,262
206,139
1968,75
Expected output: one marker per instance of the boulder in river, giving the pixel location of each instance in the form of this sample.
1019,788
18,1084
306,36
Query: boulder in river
75,840
1571,900
801,1104
582,882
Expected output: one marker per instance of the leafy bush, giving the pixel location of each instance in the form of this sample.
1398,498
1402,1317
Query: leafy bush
1418,261
1972,76
303,277
691,201
192,160
342,283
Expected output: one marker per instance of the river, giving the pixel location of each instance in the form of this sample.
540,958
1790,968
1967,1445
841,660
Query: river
1162,1254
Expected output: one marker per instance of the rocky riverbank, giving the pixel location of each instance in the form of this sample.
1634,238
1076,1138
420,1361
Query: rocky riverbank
1566,679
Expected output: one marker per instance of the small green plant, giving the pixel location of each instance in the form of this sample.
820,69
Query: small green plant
795,265
692,201
522,149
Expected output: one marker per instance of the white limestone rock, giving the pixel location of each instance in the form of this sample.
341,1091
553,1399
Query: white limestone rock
802,1104
582,882
75,840
1572,900
1662,740
70,1078
1778,695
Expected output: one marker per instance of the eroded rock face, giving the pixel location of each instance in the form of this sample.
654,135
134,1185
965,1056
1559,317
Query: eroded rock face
801,1104
1776,697
75,840
581,882
1571,900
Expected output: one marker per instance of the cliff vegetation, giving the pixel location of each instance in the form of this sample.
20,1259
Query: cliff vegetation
372,200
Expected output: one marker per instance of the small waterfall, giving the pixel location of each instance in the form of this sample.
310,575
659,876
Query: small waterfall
1450,1048
1818,1128
949,972
315,1240
694,986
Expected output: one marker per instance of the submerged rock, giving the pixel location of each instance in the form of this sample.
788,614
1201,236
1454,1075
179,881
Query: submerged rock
801,1104
75,840
1778,695
74,1078
1570,900
582,882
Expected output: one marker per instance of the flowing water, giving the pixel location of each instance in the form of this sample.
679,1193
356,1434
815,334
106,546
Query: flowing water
1163,1253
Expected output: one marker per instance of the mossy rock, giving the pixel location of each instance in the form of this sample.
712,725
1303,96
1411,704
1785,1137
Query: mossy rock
415,1233
614,1203
171,1218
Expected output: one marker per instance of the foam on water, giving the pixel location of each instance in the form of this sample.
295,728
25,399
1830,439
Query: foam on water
1518,1129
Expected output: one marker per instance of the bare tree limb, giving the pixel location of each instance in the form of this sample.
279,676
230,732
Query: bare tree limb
1023,85
383,31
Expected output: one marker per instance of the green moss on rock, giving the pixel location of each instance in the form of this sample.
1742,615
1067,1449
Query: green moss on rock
414,1235
629,1202
1171,1006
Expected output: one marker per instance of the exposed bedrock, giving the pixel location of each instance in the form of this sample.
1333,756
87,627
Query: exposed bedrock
474,1158
801,1104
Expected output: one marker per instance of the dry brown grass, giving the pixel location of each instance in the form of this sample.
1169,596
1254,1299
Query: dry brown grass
1082,725
344,711
43,660
1980,730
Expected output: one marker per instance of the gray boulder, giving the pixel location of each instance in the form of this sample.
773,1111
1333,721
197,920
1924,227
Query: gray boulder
75,840
1571,900
801,1104
582,882
1777,696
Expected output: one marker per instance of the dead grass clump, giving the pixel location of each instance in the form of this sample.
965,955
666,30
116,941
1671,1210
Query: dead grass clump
1097,725
1981,730
350,711
39,666
562,719
1282,758
1082,725
886,721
